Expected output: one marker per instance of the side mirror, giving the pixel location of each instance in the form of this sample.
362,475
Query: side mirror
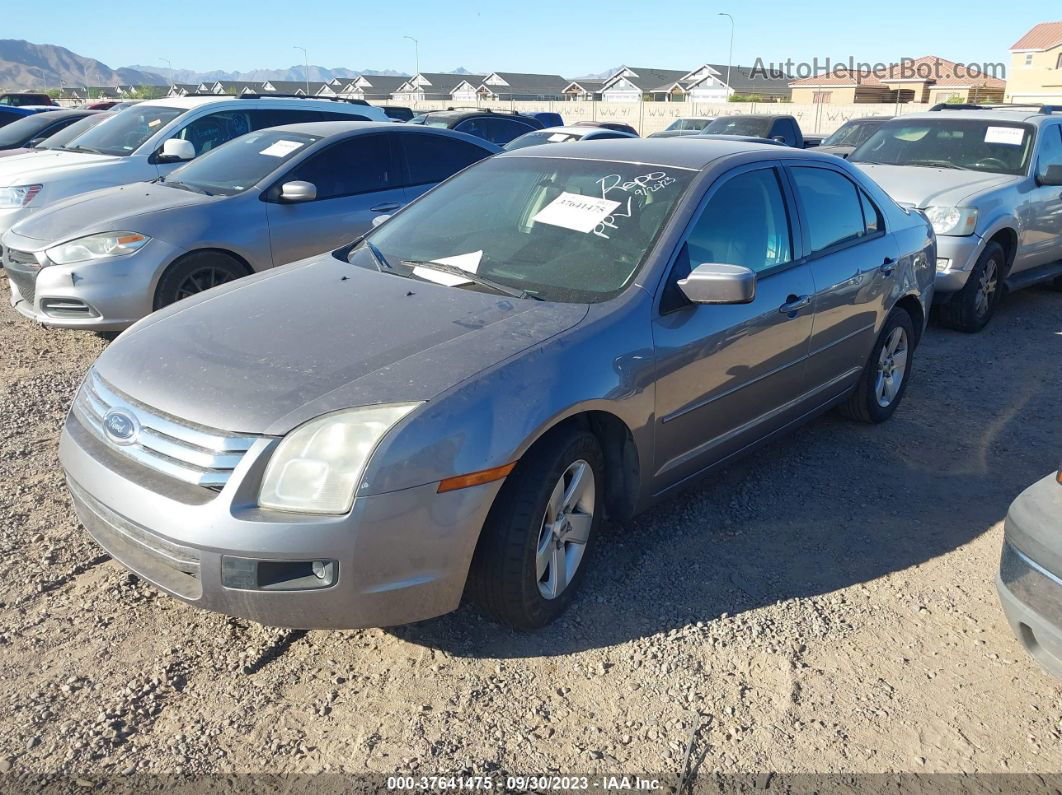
177,150
1052,175
779,138
718,283
35,142
298,191
379,219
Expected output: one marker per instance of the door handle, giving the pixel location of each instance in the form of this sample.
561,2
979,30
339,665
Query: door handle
794,304
385,208
888,266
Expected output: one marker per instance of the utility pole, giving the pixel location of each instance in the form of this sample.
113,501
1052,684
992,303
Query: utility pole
730,58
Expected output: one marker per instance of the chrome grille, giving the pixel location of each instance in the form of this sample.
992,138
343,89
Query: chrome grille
192,454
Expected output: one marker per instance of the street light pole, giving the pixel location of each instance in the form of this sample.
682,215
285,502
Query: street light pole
169,63
306,61
730,58
416,50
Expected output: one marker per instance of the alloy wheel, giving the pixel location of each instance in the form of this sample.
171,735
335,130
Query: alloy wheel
202,279
892,365
986,287
566,524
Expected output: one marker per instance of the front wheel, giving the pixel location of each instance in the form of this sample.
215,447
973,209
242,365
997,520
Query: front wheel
884,379
533,550
195,273
972,307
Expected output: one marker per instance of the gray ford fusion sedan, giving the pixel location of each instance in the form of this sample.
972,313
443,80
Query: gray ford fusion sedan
104,259
454,403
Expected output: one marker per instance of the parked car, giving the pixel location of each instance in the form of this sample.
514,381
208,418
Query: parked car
9,115
608,125
548,118
61,139
498,127
267,198
990,180
783,129
562,135
397,112
110,104
36,128
17,99
843,141
689,125
1030,571
147,141
556,335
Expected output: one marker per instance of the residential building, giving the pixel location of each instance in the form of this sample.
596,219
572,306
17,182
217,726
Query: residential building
1036,65
373,87
929,79
706,83
633,84
521,86
433,85
584,89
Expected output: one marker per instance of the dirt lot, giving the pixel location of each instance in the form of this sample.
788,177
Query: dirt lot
825,606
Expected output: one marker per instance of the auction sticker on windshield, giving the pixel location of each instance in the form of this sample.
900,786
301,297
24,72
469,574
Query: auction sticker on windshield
1005,135
281,148
575,211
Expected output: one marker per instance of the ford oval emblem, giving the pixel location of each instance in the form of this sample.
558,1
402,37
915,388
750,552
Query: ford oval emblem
121,427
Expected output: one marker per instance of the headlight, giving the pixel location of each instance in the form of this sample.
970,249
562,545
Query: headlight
952,220
318,466
106,244
18,196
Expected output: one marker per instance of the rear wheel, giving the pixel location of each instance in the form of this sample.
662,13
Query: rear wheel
884,380
195,273
972,307
532,552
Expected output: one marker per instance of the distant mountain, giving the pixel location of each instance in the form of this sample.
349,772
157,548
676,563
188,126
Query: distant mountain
601,75
316,73
27,65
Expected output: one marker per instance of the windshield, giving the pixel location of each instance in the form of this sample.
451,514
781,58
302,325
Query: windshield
240,163
738,125
689,124
998,147
18,132
557,229
127,131
541,137
68,134
852,133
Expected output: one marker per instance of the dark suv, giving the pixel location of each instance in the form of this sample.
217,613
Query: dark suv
496,126
25,98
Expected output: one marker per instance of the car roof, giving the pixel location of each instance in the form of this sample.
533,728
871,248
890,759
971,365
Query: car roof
994,114
456,114
570,130
187,103
689,152
327,129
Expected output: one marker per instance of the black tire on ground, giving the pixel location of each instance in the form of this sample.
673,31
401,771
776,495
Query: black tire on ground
967,310
863,404
503,580
194,273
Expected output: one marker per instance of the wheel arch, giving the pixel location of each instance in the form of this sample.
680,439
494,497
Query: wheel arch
913,307
176,261
1007,237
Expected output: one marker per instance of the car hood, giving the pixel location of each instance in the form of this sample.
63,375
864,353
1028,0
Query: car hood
928,187
105,210
43,165
271,351
22,150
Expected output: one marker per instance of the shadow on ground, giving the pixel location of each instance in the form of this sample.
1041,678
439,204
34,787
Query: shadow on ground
833,505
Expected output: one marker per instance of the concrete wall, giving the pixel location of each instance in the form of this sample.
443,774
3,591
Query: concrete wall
649,117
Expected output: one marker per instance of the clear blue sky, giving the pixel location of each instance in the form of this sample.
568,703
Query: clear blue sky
572,37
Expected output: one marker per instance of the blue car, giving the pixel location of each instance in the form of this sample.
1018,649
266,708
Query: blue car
9,114
548,119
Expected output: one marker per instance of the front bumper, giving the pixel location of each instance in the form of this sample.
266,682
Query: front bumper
1029,583
962,254
102,295
399,557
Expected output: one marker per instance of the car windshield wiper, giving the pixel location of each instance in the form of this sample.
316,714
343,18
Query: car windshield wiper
381,260
176,183
453,270
936,164
84,149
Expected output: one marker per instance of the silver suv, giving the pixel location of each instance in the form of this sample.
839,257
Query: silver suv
990,181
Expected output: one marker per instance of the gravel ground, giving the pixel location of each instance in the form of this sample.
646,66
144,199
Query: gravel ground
824,606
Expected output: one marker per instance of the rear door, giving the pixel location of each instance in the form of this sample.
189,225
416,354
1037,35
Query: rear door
430,158
852,262
730,374
357,178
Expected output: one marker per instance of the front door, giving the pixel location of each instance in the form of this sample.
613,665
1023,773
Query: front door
1041,238
356,180
728,374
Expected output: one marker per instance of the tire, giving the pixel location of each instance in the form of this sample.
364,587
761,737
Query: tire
873,399
507,579
200,269
972,307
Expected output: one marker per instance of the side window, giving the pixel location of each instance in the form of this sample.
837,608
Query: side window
472,127
1051,148
328,116
832,206
433,158
210,132
744,223
501,131
363,164
275,117
602,136
872,218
